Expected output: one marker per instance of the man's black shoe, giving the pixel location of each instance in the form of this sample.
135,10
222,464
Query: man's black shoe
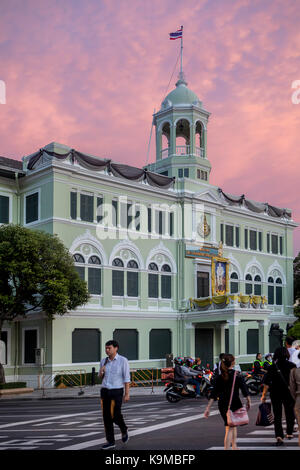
108,445
125,438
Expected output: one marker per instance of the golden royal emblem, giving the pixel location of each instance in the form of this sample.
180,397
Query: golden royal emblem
203,227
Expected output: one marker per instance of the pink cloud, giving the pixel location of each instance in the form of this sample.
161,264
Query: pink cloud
89,74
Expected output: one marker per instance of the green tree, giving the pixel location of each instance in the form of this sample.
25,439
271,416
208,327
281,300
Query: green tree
295,331
37,274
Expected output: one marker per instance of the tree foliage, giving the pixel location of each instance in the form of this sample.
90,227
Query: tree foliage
37,274
295,331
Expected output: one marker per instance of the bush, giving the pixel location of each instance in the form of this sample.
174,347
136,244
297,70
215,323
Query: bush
13,385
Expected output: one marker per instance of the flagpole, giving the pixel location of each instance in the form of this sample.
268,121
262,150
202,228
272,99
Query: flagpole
181,72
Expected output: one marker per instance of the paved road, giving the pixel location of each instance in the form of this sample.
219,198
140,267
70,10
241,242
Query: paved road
154,423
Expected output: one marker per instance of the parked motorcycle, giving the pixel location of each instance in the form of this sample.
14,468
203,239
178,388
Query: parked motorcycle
254,383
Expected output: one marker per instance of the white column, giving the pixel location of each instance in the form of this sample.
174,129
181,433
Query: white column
233,326
263,337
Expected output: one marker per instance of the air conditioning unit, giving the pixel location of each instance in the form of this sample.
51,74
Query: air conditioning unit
40,356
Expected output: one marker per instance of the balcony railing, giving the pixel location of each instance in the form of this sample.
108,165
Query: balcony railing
199,151
183,150
229,301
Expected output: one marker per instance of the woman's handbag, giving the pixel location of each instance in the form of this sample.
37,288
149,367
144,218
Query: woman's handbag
264,416
239,417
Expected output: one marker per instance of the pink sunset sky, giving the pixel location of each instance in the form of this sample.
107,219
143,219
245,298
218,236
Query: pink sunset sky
89,74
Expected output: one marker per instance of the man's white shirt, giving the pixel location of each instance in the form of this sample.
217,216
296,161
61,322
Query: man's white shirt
117,372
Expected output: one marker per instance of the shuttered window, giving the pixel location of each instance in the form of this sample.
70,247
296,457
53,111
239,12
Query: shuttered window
260,241
253,240
171,224
252,341
166,283
274,241
202,284
132,280
246,238
229,235
149,220
271,291
278,291
4,209
118,278
153,281
234,284
86,345
73,205
94,282
87,208
268,242
99,209
281,245
160,343
237,236
32,208
128,343
115,220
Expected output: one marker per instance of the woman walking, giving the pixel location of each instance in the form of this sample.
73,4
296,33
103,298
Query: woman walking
222,391
276,381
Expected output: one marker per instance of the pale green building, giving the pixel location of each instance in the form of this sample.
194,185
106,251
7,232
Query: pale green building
145,240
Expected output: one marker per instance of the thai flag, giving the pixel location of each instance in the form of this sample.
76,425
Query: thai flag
176,35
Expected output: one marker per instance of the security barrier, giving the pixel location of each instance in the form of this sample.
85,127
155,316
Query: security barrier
144,377
66,378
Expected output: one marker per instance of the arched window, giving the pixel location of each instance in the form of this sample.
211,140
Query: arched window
183,137
166,282
248,285
132,279
79,260
199,140
94,275
153,281
270,290
234,283
257,285
165,140
118,277
278,291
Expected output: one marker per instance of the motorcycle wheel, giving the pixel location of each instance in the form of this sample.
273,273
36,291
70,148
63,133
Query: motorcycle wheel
171,398
252,387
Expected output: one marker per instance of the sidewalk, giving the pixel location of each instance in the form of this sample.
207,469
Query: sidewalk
89,391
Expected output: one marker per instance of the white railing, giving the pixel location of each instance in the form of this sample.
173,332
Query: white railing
182,149
164,152
199,151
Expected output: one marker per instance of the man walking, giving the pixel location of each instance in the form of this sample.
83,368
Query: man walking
114,369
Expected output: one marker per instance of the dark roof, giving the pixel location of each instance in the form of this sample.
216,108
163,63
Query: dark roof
11,163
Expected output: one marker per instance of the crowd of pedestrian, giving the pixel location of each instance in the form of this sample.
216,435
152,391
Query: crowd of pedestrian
281,379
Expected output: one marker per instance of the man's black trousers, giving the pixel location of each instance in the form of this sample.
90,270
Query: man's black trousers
111,401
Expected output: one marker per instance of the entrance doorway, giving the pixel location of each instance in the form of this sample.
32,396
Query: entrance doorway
204,345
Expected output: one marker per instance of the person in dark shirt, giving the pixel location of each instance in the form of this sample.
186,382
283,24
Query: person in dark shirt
222,391
276,381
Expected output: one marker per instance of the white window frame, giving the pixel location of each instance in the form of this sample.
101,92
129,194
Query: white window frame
3,193
8,346
29,193
23,343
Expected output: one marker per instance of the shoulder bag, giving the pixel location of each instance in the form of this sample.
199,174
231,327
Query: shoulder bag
239,417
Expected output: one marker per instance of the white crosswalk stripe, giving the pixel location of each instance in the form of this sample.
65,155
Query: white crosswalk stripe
263,439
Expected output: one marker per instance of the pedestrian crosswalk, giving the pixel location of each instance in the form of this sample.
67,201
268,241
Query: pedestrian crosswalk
263,439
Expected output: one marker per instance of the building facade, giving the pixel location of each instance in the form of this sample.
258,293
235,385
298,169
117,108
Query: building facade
173,264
